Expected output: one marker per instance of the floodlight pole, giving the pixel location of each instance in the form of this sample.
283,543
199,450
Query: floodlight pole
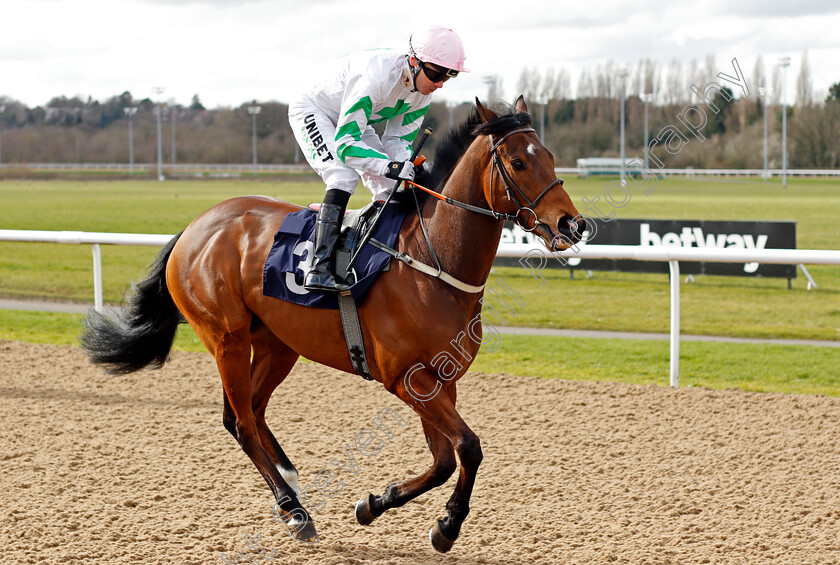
130,111
623,76
647,98
159,90
2,109
785,63
254,110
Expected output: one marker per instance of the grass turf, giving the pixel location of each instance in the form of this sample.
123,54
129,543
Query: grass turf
755,367
609,301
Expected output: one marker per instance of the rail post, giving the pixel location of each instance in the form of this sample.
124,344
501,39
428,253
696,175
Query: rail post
97,277
675,323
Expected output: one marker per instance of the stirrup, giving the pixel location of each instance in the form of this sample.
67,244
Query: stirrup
325,283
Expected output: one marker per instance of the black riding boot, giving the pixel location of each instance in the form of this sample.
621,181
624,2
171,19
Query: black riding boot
322,276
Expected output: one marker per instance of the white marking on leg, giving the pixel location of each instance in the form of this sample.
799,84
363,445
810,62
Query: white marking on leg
291,478
296,520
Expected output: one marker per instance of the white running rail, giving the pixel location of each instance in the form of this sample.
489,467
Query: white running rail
671,255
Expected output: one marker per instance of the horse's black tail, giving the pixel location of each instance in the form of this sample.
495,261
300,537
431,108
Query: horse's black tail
141,333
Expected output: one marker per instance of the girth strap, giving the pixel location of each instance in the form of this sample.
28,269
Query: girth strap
350,320
426,269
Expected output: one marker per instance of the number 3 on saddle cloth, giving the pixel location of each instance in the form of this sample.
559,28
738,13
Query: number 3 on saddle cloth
290,257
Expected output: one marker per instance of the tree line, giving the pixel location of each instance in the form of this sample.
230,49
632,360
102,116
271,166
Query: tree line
583,124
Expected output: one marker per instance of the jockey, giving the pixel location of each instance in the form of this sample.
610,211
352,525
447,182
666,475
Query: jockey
333,123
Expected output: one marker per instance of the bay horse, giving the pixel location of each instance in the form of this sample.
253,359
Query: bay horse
211,275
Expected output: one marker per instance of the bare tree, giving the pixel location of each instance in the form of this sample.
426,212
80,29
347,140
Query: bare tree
710,70
585,88
563,87
693,76
529,83
815,136
673,82
758,77
637,81
602,81
553,85
651,77
804,84
548,85
753,111
777,86
494,88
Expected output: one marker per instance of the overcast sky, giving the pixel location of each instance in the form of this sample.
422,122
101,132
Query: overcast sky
232,51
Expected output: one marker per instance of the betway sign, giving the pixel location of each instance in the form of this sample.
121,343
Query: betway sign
678,233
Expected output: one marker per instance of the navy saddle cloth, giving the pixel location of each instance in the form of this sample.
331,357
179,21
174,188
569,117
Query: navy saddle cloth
291,257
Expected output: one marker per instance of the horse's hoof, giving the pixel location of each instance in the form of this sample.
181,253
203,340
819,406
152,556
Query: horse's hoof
304,532
364,516
439,541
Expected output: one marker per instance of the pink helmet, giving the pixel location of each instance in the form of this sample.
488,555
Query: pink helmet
440,46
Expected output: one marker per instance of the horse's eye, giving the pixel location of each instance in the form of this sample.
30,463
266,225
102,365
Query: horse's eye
517,164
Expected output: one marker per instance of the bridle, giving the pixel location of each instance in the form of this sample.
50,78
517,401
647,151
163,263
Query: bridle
511,189
513,192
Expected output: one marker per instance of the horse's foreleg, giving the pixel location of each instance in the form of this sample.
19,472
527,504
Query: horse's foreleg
371,507
233,354
422,392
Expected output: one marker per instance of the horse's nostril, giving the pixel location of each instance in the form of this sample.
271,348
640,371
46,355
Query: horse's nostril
581,226
571,228
567,225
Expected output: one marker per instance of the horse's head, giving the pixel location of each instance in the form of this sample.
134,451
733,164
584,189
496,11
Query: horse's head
521,179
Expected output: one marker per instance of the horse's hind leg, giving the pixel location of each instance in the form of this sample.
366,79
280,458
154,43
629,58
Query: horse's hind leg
271,363
371,507
233,356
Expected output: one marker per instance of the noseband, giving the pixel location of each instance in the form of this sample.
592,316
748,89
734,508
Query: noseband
513,192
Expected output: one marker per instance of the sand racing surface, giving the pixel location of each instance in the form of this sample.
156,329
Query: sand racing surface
139,469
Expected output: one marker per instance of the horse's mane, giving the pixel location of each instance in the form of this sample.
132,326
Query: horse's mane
455,144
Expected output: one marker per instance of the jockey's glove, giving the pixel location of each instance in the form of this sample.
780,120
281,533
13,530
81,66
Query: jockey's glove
400,170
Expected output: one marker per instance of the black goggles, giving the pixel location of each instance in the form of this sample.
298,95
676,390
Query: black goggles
435,74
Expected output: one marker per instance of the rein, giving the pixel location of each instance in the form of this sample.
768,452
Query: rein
509,184
464,205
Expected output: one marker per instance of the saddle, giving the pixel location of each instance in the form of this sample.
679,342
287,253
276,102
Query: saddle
354,226
286,266
288,261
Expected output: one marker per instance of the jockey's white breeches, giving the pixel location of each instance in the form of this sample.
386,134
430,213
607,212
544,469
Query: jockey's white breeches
315,134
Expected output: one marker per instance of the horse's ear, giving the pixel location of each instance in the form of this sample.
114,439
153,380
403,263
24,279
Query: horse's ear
486,114
520,104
